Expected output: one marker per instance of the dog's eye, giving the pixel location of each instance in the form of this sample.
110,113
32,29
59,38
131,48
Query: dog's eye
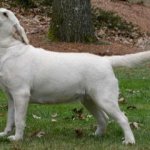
5,14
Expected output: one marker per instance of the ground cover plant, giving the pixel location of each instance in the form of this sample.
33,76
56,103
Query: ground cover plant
70,126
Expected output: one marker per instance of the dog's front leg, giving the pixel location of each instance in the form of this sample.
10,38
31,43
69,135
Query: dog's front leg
20,105
10,118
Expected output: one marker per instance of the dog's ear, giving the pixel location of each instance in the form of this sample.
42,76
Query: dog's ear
16,29
20,34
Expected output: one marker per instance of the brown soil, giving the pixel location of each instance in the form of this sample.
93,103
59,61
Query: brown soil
109,49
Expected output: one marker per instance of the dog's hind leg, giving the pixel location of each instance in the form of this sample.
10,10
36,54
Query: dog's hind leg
107,99
113,111
98,114
10,118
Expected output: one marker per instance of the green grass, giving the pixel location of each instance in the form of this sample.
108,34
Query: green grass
61,135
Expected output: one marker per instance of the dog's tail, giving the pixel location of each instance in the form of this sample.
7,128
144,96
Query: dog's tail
129,60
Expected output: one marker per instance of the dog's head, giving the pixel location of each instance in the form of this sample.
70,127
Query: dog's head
10,26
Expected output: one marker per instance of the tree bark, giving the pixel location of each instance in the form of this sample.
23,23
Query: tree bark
71,21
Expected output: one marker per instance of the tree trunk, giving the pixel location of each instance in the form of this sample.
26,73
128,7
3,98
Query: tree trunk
71,21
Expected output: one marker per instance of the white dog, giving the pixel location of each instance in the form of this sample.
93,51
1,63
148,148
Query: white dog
29,74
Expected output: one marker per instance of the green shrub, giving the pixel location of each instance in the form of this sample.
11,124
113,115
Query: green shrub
113,24
111,20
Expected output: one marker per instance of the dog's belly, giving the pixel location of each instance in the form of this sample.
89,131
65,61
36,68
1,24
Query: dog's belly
59,98
59,90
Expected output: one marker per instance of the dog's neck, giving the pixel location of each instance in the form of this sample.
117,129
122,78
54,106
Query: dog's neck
8,42
8,45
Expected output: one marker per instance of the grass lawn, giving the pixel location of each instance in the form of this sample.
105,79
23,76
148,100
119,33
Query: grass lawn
70,130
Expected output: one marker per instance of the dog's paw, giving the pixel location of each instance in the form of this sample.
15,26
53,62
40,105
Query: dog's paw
2,134
128,142
99,132
14,138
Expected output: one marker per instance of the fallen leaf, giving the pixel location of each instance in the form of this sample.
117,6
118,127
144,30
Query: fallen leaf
135,125
122,100
4,107
53,120
88,117
54,115
133,91
131,107
79,133
35,116
37,133
2,114
78,114
40,134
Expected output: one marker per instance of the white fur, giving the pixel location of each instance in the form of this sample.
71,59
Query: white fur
29,74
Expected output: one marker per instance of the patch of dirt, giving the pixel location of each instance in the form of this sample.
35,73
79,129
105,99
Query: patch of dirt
40,40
